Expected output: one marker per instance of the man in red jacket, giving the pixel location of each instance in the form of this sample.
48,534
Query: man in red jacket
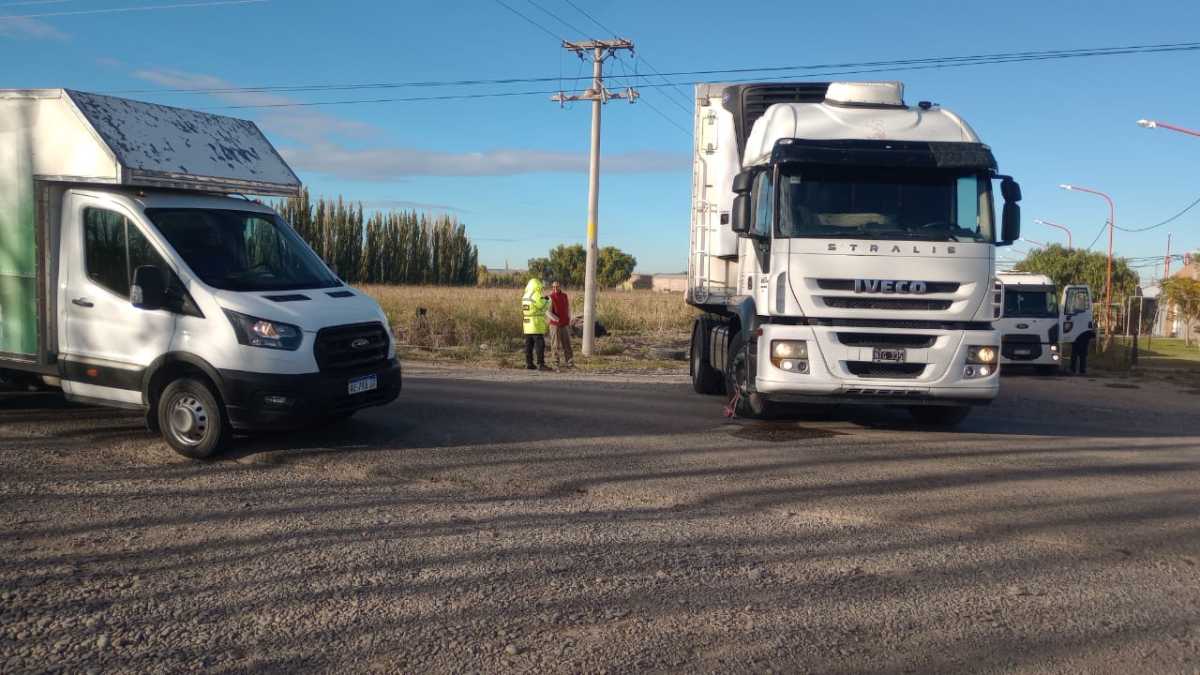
560,326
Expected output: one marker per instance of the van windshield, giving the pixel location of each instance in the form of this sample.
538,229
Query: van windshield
242,250
1030,304
897,204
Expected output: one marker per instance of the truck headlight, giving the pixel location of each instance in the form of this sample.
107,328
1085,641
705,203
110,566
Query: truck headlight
985,354
790,355
255,332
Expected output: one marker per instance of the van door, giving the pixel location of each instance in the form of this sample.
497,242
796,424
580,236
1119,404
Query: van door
107,342
1076,312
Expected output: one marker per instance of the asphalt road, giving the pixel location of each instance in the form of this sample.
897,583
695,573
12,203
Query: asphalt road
511,522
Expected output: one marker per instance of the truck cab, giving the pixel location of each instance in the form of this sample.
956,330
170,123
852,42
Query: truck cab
143,283
852,258
1036,319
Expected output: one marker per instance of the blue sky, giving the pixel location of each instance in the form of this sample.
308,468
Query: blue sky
514,168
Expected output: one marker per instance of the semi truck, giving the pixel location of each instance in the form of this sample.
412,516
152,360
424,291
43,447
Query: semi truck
1034,324
842,250
136,273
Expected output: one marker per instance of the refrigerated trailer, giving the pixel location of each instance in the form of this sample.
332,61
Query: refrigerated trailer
843,249
135,273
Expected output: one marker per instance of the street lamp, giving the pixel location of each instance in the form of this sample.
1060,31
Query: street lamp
1035,243
1154,124
1064,228
1112,223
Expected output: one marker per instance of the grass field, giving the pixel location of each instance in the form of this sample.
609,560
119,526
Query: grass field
1159,356
484,324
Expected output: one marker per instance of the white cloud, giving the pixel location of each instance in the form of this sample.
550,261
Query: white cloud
406,204
319,137
306,125
391,163
17,26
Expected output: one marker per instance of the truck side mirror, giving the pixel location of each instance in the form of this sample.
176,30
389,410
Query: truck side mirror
1010,189
743,182
740,218
149,290
1010,223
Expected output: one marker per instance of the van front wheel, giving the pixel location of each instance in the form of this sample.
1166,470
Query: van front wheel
192,419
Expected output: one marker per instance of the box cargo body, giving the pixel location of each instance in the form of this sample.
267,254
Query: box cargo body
126,267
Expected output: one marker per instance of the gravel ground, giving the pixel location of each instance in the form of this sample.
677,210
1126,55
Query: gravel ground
504,521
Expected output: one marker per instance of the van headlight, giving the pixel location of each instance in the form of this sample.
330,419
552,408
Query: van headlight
790,355
255,332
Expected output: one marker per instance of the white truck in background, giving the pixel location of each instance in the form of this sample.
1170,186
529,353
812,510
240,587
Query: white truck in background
130,278
1034,324
843,250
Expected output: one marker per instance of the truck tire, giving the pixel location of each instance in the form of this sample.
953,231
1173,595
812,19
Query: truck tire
944,417
705,378
737,383
192,420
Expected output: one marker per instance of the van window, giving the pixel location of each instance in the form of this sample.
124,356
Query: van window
104,250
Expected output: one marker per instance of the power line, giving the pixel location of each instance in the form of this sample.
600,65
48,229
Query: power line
510,8
591,18
944,61
1098,234
557,18
1189,207
144,8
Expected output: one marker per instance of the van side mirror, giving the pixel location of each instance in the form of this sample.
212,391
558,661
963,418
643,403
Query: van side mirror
740,218
149,289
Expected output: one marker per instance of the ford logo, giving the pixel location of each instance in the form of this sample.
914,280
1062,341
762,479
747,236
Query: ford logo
360,343
888,286
1022,326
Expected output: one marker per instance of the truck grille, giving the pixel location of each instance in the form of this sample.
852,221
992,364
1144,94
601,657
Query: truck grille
886,340
339,348
1010,344
848,285
841,302
870,369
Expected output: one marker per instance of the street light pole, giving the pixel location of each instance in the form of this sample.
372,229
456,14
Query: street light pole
1064,228
1154,124
1035,243
1112,223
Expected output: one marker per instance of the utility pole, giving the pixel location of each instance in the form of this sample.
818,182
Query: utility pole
1167,261
600,50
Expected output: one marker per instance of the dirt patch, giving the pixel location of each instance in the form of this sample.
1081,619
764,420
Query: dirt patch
781,433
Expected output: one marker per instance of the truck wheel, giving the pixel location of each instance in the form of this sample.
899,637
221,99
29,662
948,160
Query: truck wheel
946,417
192,420
705,378
737,383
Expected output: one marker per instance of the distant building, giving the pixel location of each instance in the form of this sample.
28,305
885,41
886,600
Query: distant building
638,282
670,283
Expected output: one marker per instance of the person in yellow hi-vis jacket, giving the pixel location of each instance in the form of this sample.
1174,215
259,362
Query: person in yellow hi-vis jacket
534,324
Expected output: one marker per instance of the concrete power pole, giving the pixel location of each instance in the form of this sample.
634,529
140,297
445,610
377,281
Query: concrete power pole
598,95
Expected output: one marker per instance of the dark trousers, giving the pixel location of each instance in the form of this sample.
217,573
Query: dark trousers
536,342
1079,354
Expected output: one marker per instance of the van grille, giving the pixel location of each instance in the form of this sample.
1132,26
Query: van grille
886,340
349,347
841,302
870,369
1030,344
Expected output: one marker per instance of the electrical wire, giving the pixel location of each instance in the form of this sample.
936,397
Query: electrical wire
143,8
1187,208
557,18
1098,234
510,8
875,66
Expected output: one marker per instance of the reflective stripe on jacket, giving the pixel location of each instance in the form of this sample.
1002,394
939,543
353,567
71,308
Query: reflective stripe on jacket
533,309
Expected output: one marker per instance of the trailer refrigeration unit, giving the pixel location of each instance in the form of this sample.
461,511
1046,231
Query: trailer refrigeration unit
1034,325
843,250
129,277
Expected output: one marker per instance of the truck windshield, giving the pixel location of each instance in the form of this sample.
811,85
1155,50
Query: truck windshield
242,250
1030,304
903,204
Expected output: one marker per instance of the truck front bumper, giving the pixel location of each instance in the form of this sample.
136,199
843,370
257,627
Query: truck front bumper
262,401
832,364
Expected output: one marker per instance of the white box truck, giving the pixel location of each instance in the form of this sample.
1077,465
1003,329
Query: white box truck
1034,324
130,277
843,249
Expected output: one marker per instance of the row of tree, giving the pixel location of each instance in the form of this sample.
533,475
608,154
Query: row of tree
1073,266
395,247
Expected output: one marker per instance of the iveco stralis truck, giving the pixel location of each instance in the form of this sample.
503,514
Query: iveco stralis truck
130,277
842,250
1033,324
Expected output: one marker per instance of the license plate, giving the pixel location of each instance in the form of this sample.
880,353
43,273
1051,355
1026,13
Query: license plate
1022,352
365,383
888,355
